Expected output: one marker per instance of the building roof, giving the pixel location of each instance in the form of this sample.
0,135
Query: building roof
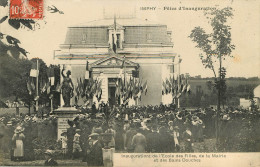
120,21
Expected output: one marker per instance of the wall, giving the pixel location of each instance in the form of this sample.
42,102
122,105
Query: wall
152,73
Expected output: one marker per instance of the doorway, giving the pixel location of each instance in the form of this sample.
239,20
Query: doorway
112,91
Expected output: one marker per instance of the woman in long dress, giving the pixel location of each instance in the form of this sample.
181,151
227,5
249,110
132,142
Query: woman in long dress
18,140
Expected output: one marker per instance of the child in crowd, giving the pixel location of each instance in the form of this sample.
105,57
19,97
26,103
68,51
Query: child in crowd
64,141
76,145
187,138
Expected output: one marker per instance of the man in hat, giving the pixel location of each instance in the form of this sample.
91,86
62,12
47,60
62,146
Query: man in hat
128,138
166,140
70,136
187,138
139,141
76,145
94,156
153,140
49,159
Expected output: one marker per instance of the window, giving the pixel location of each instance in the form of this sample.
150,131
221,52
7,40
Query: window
148,37
84,38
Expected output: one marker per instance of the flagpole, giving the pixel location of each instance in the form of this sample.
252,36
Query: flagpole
52,96
37,80
124,71
179,71
51,104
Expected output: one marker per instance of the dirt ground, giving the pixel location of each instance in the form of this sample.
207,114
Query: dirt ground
207,146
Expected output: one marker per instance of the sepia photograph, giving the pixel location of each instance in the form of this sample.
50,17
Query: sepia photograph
130,83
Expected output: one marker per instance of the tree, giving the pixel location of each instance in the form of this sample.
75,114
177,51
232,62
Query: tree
216,47
10,45
14,76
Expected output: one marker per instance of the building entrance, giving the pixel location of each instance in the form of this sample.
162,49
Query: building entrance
112,91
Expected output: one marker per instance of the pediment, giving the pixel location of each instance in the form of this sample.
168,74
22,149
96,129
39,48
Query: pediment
118,27
113,61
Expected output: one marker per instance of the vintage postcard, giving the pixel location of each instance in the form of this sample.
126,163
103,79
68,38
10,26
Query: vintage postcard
130,83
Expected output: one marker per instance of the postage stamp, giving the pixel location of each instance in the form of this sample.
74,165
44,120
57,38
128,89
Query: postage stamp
26,9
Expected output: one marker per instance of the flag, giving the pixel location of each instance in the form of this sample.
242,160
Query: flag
120,73
168,86
184,89
163,88
188,88
48,88
29,88
87,74
50,73
34,72
145,87
58,87
123,63
172,68
43,87
32,86
139,94
52,80
80,85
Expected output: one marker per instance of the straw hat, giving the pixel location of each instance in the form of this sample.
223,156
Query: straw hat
170,123
176,127
49,152
93,134
226,117
9,123
19,129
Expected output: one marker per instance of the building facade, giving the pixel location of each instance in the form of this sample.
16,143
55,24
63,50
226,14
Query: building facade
142,45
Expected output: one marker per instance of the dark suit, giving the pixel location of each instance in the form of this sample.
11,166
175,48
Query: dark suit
166,143
153,142
50,162
94,155
70,136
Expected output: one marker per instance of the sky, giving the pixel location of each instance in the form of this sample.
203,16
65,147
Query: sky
245,29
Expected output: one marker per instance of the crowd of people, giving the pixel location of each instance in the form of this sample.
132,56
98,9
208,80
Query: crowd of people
147,129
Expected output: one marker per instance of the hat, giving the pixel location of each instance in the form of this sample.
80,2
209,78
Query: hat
93,134
194,117
176,127
49,152
19,129
98,130
170,123
226,117
178,116
64,134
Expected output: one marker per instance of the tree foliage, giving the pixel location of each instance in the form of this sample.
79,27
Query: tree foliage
216,44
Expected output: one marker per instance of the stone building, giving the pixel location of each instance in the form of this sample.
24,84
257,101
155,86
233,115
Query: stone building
145,46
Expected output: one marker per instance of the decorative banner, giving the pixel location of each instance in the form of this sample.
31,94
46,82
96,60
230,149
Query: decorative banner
34,73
